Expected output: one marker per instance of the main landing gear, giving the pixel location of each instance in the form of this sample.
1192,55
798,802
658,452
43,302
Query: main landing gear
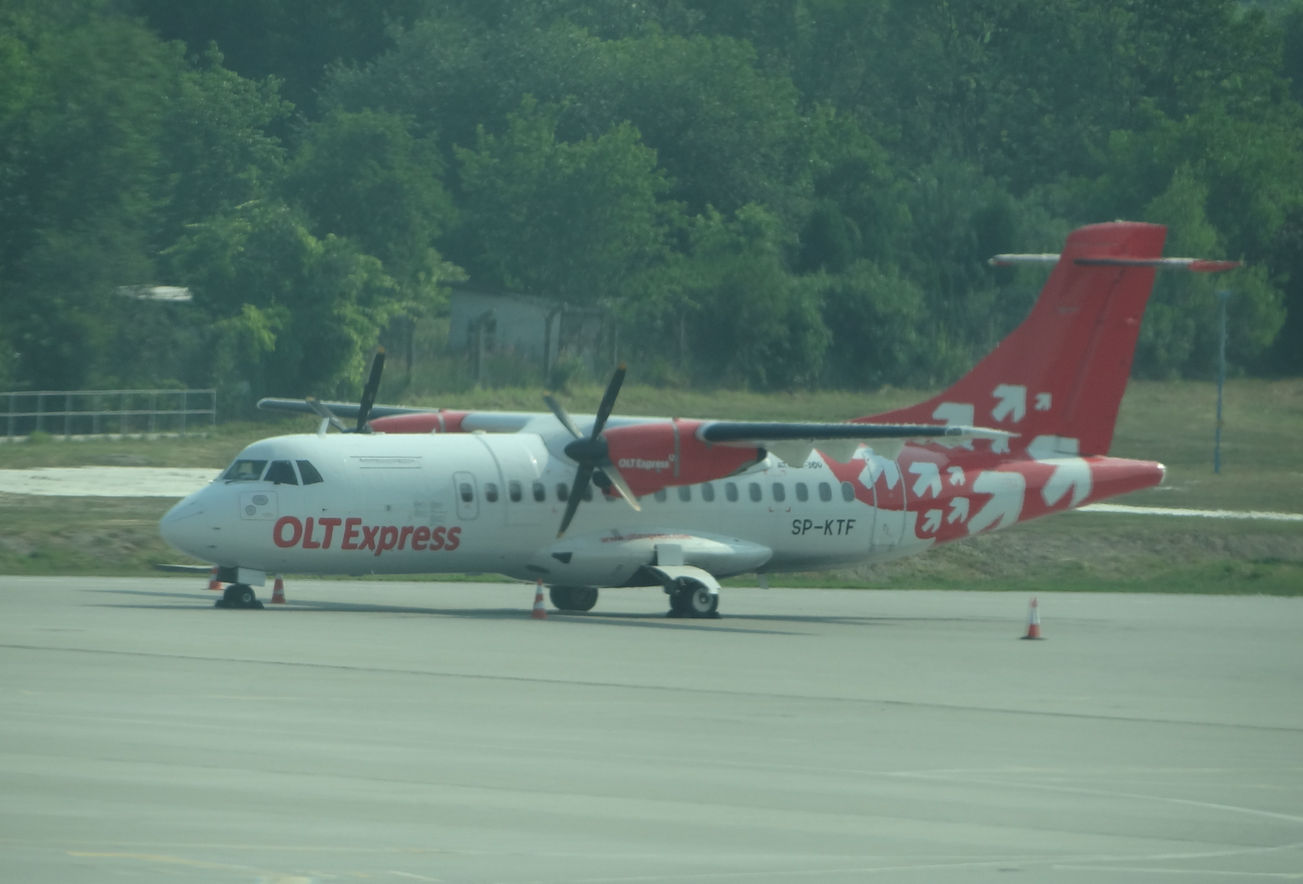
688,598
572,598
237,595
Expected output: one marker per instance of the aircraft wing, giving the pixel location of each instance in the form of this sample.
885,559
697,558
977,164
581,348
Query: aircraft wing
793,442
340,409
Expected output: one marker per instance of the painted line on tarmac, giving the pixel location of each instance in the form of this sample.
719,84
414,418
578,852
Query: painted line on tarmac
1123,509
653,688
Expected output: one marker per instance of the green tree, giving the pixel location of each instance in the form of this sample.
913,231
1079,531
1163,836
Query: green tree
291,314
573,221
754,324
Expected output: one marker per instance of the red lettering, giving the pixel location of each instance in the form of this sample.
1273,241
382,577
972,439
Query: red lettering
436,538
277,533
388,539
369,536
329,525
420,537
308,542
402,538
350,531
454,539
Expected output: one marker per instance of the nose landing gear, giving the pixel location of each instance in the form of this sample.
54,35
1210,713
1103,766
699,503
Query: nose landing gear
238,595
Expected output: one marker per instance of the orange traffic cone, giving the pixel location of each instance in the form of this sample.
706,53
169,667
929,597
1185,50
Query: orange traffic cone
212,581
1033,622
278,591
539,612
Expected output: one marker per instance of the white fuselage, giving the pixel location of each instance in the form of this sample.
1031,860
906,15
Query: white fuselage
468,503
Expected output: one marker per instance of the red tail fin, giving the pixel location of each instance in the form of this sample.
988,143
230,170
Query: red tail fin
1063,371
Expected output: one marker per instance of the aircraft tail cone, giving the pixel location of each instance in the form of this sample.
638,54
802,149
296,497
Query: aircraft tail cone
539,612
278,591
1033,622
213,583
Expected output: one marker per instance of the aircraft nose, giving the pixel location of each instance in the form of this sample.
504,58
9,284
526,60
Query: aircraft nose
183,527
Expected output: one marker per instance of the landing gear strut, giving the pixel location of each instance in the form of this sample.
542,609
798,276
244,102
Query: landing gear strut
237,595
572,598
689,598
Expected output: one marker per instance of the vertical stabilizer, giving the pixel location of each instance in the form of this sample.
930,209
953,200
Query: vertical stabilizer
1062,372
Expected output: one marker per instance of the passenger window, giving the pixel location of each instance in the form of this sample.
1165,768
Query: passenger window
245,471
848,492
802,493
309,473
562,491
780,493
588,492
490,492
754,489
281,472
685,493
708,492
467,492
540,493
660,495
825,492
730,491
514,491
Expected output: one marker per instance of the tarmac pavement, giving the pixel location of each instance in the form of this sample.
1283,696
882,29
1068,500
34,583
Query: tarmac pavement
391,731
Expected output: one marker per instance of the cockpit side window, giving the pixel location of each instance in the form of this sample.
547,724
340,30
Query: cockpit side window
309,473
281,472
245,471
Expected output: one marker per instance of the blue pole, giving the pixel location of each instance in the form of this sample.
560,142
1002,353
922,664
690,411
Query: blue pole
1222,297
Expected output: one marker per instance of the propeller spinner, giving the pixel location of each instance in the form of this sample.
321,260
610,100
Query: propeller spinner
591,452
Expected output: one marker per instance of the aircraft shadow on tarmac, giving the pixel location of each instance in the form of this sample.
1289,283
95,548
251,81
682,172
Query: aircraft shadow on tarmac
187,600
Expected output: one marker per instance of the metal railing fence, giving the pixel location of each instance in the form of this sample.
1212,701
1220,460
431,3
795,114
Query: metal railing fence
107,412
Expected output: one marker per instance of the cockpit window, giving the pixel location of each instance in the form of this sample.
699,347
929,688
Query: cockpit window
309,473
281,472
245,471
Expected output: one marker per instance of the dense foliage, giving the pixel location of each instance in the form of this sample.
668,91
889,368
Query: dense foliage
768,193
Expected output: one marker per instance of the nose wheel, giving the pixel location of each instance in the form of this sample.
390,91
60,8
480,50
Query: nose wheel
237,595
691,599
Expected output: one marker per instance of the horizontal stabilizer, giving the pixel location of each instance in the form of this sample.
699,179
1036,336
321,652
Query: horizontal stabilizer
1195,265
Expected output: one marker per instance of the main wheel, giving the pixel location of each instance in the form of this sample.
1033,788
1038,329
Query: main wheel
691,599
702,602
238,595
572,598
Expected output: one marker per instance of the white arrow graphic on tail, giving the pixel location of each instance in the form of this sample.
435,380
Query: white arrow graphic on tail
958,510
1069,472
956,475
1043,401
931,521
875,466
955,414
1005,505
928,478
1013,401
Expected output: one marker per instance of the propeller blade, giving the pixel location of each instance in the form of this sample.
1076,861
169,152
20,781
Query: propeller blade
608,398
326,414
582,479
562,415
617,481
369,392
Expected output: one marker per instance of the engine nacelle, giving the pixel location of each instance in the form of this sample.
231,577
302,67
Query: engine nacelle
421,422
658,455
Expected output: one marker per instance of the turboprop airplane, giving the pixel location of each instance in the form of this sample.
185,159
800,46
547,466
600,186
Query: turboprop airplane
595,501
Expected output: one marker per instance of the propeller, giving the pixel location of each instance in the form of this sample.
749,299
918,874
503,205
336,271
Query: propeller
591,452
369,391
364,408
